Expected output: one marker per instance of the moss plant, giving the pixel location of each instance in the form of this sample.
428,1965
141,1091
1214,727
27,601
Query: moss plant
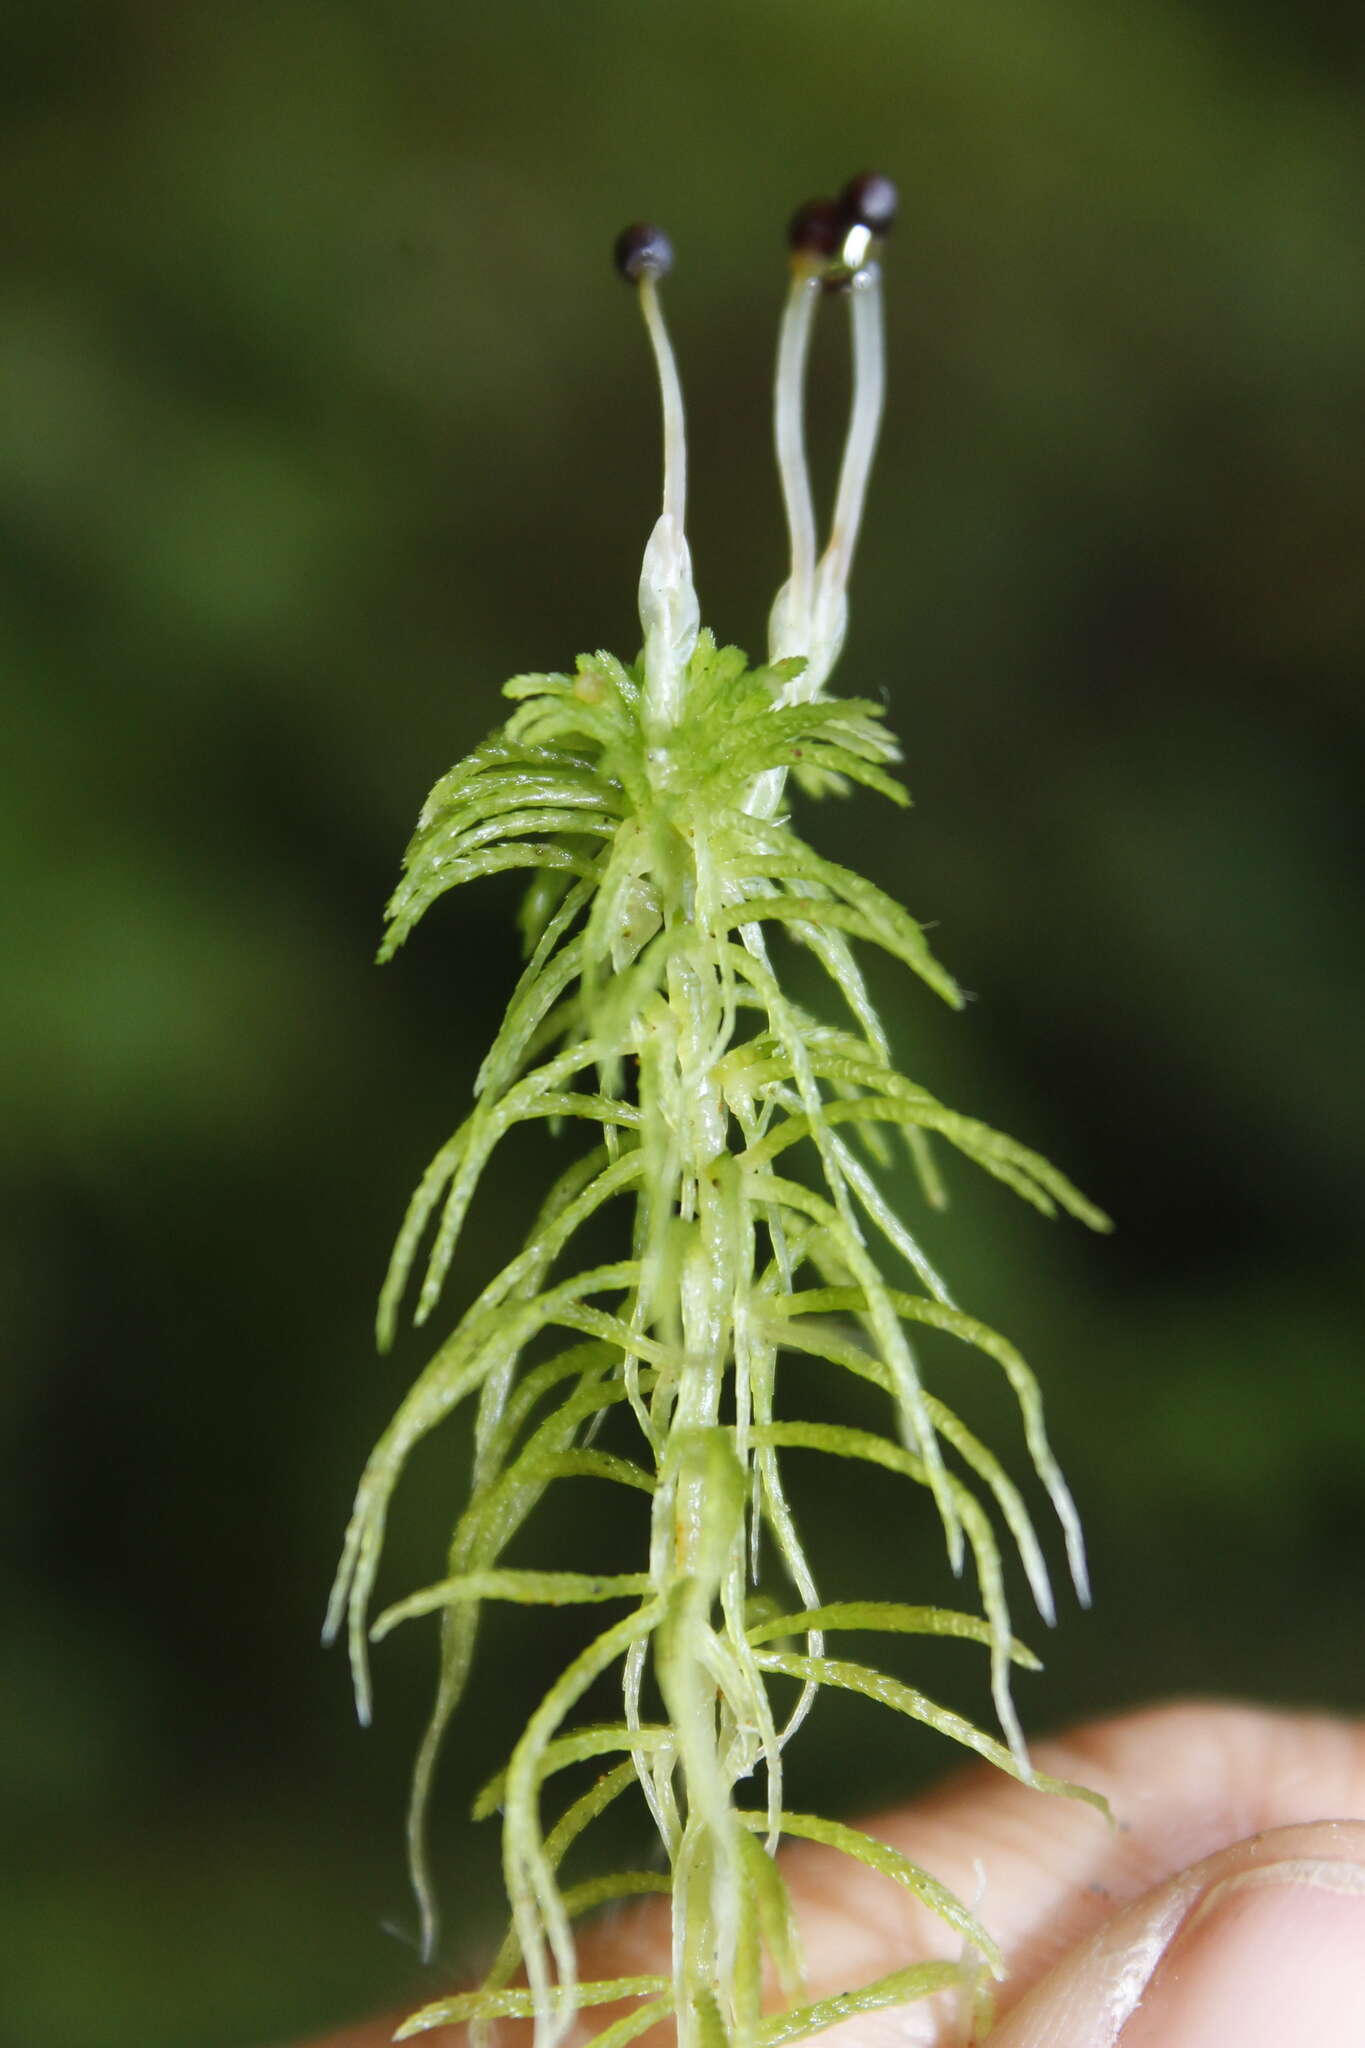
738,1137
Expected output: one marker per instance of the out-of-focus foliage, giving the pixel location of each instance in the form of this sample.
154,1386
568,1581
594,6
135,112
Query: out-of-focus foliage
321,412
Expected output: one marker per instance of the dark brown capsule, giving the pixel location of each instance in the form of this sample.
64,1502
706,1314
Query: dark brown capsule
869,201
816,229
642,250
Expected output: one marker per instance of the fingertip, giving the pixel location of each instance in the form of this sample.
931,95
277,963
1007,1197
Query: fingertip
1258,1944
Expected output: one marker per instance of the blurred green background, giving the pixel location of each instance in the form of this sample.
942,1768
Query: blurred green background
320,413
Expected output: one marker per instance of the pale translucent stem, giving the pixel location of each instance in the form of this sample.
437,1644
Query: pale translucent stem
669,614
702,1502
810,614
698,1535
789,620
869,390
670,391
869,384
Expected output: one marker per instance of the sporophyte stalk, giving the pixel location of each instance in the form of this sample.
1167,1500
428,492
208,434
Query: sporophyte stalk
739,1139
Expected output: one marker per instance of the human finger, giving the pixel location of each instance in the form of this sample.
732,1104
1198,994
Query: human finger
1261,1944
1183,1781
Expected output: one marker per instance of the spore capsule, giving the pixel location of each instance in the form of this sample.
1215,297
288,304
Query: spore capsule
642,250
870,201
816,229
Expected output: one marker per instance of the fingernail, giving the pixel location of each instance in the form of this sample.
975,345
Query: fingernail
1269,1956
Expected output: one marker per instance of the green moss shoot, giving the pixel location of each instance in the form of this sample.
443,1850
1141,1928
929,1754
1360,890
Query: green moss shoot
738,1139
